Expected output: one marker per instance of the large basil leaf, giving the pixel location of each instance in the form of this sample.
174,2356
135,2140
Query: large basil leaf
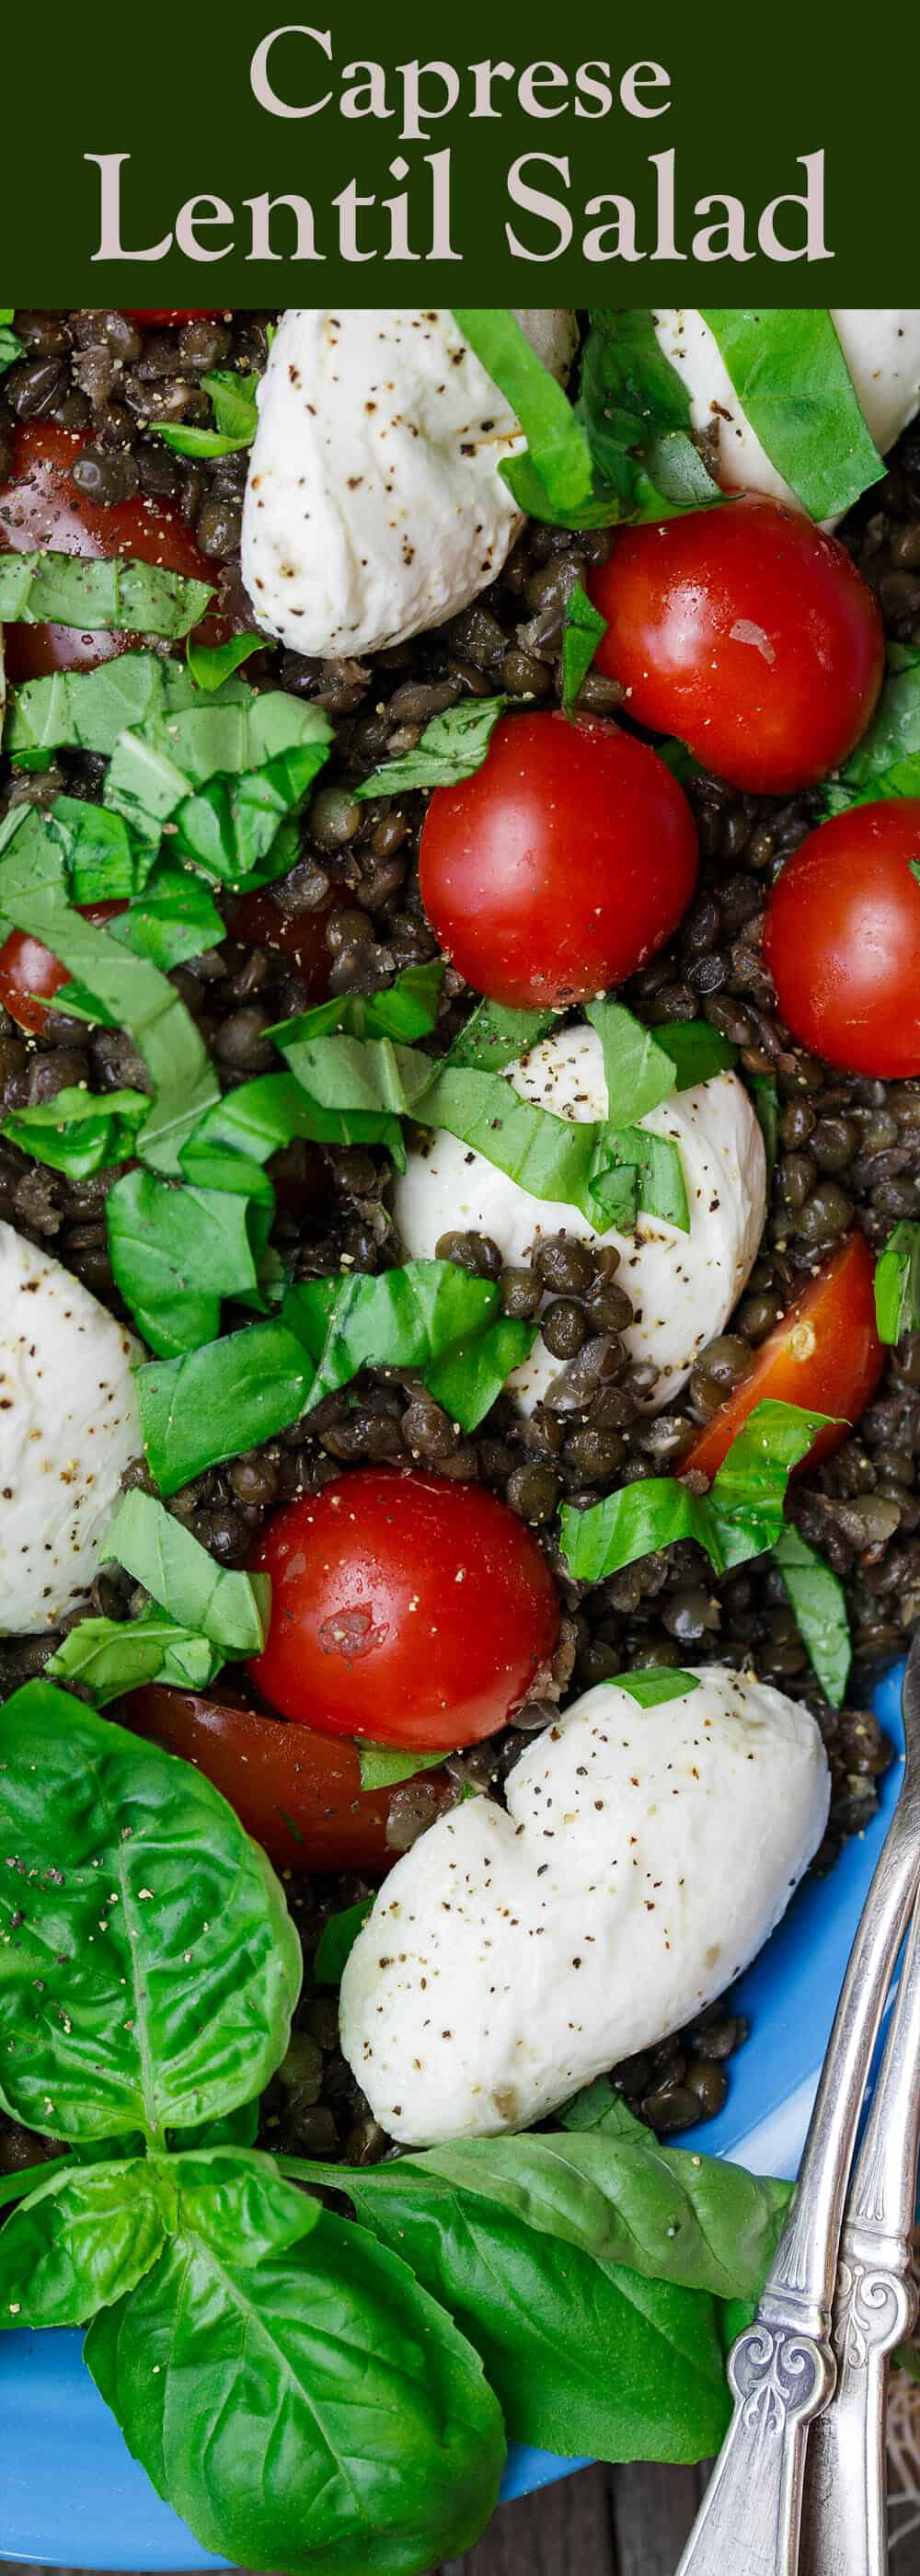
307,2408
74,590
792,380
84,2239
495,1035
149,1965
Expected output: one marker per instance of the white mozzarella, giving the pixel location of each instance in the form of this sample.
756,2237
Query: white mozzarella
682,1286
69,1423
882,350
374,507
644,1859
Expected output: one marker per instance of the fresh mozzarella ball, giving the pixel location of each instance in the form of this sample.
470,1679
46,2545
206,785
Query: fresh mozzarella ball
69,1424
374,507
682,1286
882,351
645,1857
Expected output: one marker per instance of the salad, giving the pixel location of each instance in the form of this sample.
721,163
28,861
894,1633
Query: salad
459,1351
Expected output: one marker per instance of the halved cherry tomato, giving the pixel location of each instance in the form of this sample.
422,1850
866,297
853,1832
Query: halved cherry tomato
258,921
825,1353
842,939
748,633
297,1793
404,1609
561,865
171,313
28,969
40,506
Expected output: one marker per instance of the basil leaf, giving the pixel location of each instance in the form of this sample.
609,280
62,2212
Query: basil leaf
452,747
173,919
138,1992
428,1315
261,1116
176,1253
661,1682
559,456
582,631
817,1598
740,1517
84,2239
10,346
104,863
638,1070
747,1494
87,710
236,418
215,1402
636,1521
111,1656
697,1052
227,771
406,1009
336,1942
792,381
76,590
308,2407
656,1160
211,664
230,1608
33,899
381,1765
897,1283
494,1036
77,1132
373,1076
554,1158
636,411
887,760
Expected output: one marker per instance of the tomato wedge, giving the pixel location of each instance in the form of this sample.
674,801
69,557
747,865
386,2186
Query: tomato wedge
40,506
297,1793
825,1353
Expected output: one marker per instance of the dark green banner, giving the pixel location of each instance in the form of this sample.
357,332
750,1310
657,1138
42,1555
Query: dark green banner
604,155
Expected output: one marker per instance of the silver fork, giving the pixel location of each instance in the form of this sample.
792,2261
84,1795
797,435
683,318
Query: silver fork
783,2369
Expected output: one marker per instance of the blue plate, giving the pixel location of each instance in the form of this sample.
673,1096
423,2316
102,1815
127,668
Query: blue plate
71,2494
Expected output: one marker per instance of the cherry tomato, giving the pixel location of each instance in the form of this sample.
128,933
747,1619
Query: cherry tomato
404,1609
28,969
842,939
300,937
299,1794
749,634
170,313
825,1353
40,506
561,865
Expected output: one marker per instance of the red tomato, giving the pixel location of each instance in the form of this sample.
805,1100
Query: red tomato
825,1354
39,506
561,864
405,1609
299,1794
27,968
749,634
300,937
171,313
842,939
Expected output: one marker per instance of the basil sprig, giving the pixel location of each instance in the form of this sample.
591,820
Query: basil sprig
73,590
897,1283
236,418
452,747
793,383
740,1516
582,631
312,2392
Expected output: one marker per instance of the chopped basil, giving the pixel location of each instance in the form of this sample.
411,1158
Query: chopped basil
623,451
582,631
266,1114
897,1283
696,1051
10,345
638,1071
452,746
236,418
382,1765
494,1036
659,1682
76,590
554,1158
77,1132
175,918
792,381
109,1656
231,1609
337,1940
740,1517
225,773
87,710
213,1403
176,1253
33,899
406,1009
429,1316
657,1185
105,864
211,664
558,468
818,1601
887,760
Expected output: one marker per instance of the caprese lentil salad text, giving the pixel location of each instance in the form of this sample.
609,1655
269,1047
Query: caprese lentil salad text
459,1351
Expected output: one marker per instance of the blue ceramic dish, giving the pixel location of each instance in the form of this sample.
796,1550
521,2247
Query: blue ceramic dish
70,2495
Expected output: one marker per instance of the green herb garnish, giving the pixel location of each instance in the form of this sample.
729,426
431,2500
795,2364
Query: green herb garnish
818,1601
897,1283
452,746
582,631
73,590
741,1515
792,381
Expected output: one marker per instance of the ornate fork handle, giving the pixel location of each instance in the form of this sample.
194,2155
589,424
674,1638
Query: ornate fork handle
783,2370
